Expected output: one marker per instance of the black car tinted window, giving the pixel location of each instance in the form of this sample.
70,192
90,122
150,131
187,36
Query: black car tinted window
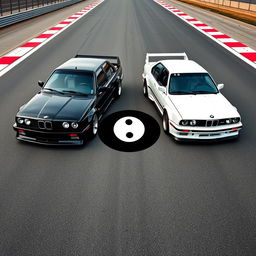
163,78
101,77
108,70
156,70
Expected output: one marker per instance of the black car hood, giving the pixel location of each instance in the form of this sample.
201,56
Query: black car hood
56,107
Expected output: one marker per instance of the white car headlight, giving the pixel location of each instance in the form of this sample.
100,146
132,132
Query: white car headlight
184,122
192,122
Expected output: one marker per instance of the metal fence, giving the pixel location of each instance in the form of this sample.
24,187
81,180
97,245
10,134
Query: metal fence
249,5
7,20
13,6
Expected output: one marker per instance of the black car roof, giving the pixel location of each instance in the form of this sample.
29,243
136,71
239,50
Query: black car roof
87,64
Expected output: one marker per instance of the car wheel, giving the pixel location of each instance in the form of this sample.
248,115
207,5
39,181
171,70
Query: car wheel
95,126
166,122
119,90
145,88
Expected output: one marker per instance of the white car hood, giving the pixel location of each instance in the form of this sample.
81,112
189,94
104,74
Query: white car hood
201,106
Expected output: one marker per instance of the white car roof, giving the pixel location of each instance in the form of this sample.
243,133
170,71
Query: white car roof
183,66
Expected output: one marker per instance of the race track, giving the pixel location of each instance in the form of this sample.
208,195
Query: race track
170,199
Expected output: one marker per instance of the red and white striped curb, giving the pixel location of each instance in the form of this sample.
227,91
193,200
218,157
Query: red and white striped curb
17,55
242,51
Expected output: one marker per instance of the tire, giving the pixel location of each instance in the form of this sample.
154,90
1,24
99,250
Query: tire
95,126
165,122
145,88
118,91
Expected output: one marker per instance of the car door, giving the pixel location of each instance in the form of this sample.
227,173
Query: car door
101,90
153,82
110,73
162,87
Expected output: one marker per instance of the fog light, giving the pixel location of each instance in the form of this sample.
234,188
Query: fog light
22,132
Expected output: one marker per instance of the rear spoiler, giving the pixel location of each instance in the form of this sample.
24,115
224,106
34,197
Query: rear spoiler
109,58
149,55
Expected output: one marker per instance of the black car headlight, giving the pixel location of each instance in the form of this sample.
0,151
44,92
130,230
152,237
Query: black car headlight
74,125
20,120
27,121
65,125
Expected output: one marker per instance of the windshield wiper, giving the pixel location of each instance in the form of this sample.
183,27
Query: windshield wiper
203,92
52,90
181,92
78,93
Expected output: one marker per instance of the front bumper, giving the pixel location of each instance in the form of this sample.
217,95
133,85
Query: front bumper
50,137
205,133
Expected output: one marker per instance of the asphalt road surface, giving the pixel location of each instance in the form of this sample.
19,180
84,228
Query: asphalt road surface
170,199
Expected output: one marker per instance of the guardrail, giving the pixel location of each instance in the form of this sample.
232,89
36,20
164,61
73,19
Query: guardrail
248,5
27,14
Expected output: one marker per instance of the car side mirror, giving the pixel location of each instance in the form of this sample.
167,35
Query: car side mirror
220,86
162,89
119,79
40,83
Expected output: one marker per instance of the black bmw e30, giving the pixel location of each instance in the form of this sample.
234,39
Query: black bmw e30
70,104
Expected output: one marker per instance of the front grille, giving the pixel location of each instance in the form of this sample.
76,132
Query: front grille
45,125
212,122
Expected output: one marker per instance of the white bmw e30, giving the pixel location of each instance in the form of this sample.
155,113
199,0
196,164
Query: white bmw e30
188,99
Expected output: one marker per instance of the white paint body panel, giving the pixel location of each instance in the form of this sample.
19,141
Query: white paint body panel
190,107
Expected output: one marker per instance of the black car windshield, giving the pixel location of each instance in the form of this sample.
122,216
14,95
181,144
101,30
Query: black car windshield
79,83
192,83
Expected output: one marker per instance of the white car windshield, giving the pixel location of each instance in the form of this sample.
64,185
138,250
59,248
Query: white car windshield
70,82
192,83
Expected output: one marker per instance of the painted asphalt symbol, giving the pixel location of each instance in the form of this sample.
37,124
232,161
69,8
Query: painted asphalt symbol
129,131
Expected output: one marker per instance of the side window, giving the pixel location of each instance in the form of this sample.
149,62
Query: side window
156,70
108,70
101,77
163,77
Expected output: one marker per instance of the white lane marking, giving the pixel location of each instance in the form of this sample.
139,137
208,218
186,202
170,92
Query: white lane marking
196,22
215,33
228,40
243,49
4,68
37,40
20,51
61,25
217,40
68,20
50,31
